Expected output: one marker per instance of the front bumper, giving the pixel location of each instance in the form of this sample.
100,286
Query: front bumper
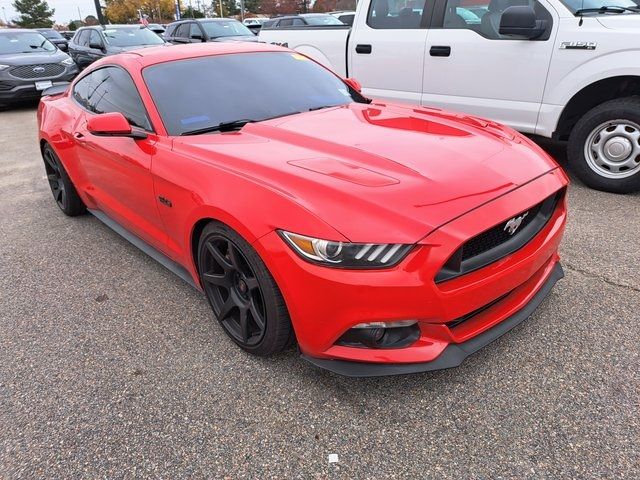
453,355
324,303
14,90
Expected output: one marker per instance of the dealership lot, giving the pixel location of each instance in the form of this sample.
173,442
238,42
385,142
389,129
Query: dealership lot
110,366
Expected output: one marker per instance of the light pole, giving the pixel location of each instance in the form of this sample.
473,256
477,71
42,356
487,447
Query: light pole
99,12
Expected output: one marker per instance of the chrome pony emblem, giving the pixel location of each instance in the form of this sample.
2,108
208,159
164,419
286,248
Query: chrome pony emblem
514,224
38,70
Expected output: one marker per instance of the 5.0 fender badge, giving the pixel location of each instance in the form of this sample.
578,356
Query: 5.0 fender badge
578,45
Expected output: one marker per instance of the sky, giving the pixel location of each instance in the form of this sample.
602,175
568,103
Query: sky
65,9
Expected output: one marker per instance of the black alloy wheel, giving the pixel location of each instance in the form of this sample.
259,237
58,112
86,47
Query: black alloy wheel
55,179
62,189
244,298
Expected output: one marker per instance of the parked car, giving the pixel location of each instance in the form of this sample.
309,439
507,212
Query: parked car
208,30
92,43
253,24
545,67
67,34
302,20
344,16
156,28
55,37
29,63
382,238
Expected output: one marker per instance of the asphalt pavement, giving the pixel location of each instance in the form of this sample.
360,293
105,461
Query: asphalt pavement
112,367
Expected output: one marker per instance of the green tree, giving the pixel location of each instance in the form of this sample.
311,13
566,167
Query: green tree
252,6
75,24
229,8
191,12
34,13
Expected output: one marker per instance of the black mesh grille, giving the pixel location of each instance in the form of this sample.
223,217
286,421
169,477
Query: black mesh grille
500,240
497,235
28,72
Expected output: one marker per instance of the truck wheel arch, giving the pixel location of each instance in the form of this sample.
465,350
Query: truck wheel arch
593,95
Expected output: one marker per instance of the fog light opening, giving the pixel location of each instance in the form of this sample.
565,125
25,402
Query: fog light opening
397,334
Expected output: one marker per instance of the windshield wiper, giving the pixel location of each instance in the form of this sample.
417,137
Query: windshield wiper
221,127
608,9
313,109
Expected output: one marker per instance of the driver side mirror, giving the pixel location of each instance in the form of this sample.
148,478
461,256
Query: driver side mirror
113,124
96,46
354,84
521,21
197,36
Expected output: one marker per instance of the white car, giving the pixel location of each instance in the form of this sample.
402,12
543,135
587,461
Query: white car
567,69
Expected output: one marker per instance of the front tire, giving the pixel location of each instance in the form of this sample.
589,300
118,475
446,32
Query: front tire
242,293
62,188
604,146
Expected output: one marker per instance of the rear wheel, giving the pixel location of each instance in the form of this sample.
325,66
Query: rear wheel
63,191
243,295
604,146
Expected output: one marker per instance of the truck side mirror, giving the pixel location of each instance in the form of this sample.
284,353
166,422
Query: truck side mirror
521,21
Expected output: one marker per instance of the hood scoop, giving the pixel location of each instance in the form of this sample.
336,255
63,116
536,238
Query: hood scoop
346,171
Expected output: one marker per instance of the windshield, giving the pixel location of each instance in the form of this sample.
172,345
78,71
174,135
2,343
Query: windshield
24,42
131,37
51,34
323,20
245,86
575,5
226,28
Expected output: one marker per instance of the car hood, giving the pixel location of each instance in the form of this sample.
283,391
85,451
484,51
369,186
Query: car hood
236,38
624,21
378,172
33,58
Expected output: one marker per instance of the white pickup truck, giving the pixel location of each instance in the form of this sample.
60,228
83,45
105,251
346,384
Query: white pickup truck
566,69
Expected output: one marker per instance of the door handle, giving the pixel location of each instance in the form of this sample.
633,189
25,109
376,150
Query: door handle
440,51
78,136
361,48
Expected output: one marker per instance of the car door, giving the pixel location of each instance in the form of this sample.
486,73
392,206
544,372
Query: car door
78,47
118,169
96,48
470,67
386,49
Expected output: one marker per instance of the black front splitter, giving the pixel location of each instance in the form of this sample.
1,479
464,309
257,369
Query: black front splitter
453,355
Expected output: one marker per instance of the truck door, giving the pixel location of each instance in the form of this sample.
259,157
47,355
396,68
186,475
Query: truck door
386,48
470,67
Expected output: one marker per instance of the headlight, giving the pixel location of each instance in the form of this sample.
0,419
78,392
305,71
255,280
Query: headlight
346,255
3,67
68,62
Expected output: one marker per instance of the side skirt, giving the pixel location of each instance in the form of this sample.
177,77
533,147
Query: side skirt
153,252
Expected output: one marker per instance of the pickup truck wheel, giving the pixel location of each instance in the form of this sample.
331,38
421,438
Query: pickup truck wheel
604,146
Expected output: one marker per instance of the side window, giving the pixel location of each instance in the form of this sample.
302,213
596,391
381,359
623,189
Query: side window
183,30
287,22
81,91
95,38
395,14
483,16
111,89
169,30
194,29
298,22
83,38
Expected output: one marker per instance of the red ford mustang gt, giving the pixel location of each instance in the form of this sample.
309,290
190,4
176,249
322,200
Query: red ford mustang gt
382,238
